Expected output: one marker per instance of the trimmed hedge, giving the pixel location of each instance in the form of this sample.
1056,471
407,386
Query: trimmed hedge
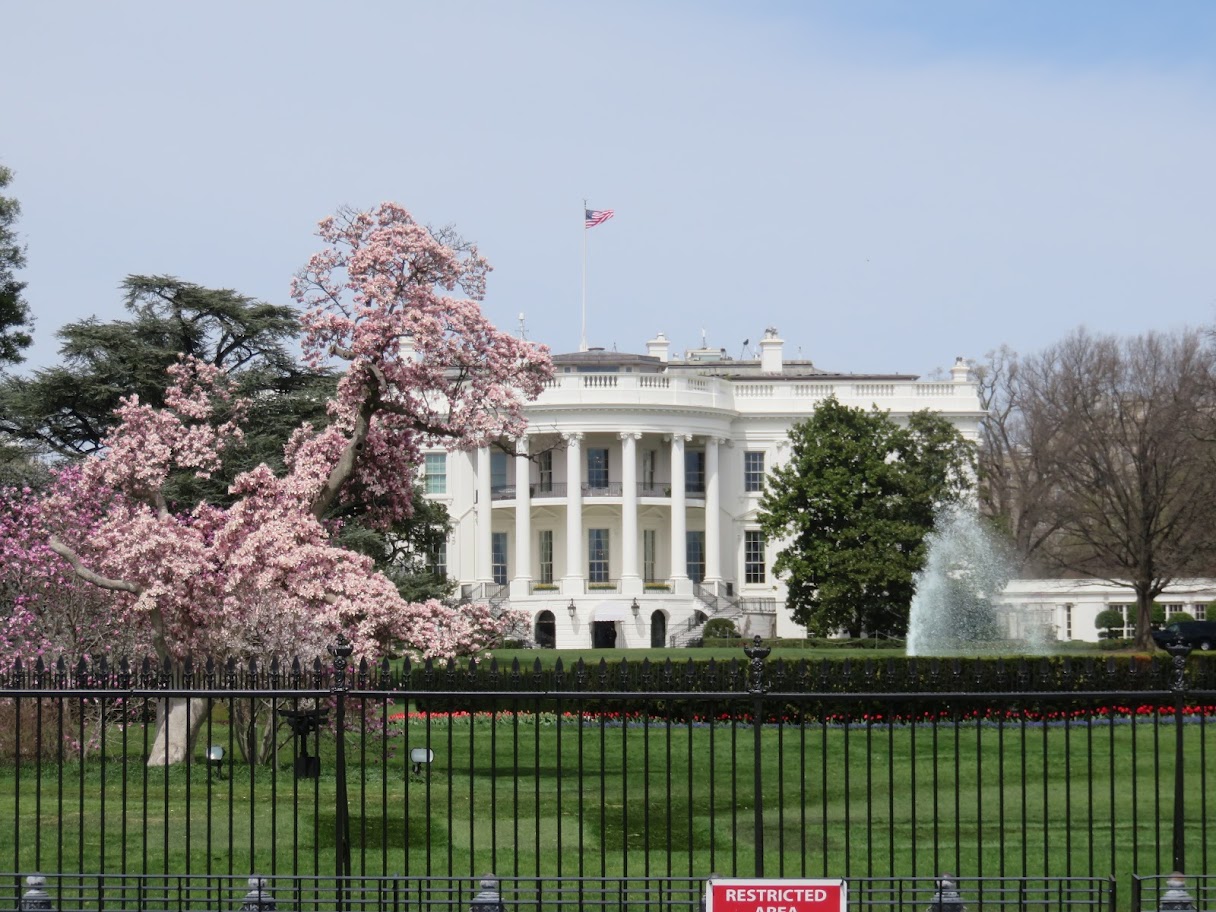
855,686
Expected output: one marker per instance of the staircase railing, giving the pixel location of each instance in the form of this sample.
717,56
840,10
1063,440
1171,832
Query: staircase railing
716,605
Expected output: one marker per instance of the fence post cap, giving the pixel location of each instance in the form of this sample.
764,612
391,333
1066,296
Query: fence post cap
258,899
36,897
1176,898
488,899
947,896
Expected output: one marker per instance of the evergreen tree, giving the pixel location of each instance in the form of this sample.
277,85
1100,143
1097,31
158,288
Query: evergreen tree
854,504
14,311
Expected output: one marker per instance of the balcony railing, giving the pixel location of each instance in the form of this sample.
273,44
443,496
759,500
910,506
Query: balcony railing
607,489
551,490
536,490
758,395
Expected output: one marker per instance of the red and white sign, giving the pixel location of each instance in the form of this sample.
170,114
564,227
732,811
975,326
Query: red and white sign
739,894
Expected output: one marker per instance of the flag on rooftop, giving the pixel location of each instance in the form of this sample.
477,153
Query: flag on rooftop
595,216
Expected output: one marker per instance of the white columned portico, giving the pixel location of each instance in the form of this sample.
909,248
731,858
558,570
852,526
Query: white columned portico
631,580
521,583
713,523
575,580
485,505
680,583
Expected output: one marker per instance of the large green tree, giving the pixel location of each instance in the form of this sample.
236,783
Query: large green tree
68,408
853,506
14,311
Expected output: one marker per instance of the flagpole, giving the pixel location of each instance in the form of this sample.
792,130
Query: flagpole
582,344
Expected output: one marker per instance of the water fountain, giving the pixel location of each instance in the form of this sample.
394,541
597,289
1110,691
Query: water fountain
955,609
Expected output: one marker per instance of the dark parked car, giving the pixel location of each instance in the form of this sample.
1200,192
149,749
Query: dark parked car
1200,634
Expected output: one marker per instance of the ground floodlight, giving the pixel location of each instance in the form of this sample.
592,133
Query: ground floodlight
419,756
215,760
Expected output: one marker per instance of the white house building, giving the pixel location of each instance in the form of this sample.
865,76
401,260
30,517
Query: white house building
626,516
1067,609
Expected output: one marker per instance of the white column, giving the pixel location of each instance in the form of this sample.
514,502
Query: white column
679,525
575,580
521,583
713,516
485,573
631,581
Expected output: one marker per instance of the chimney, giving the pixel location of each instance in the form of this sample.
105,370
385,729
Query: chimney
960,373
770,352
658,347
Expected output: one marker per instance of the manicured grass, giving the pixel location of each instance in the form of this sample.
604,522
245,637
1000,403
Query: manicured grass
531,795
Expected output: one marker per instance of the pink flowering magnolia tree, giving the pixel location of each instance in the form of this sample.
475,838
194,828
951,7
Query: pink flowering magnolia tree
262,576
47,611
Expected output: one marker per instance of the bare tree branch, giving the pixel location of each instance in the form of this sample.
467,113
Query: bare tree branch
88,575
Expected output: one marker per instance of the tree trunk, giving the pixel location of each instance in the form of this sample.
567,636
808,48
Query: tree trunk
254,730
178,721
1144,616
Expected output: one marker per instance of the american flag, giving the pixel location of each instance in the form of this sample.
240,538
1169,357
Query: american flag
595,216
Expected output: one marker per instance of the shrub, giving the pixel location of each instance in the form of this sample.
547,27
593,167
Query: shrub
1156,614
720,629
1109,619
1178,617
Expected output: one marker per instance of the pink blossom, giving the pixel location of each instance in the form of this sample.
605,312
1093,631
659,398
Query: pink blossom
262,576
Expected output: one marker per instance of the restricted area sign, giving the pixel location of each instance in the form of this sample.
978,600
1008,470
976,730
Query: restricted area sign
741,894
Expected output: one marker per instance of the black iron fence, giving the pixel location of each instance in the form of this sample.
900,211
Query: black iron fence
491,894
601,785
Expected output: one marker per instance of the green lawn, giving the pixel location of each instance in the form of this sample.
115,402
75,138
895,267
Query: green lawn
526,795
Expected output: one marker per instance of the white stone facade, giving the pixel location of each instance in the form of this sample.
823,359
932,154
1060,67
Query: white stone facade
1066,609
627,514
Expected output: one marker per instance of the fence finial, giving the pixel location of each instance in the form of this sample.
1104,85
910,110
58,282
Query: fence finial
36,899
946,899
757,654
1176,898
488,899
258,899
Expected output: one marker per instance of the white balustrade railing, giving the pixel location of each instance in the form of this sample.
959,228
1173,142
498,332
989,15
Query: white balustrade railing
719,392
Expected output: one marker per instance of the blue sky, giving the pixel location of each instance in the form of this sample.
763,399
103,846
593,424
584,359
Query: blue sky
890,184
